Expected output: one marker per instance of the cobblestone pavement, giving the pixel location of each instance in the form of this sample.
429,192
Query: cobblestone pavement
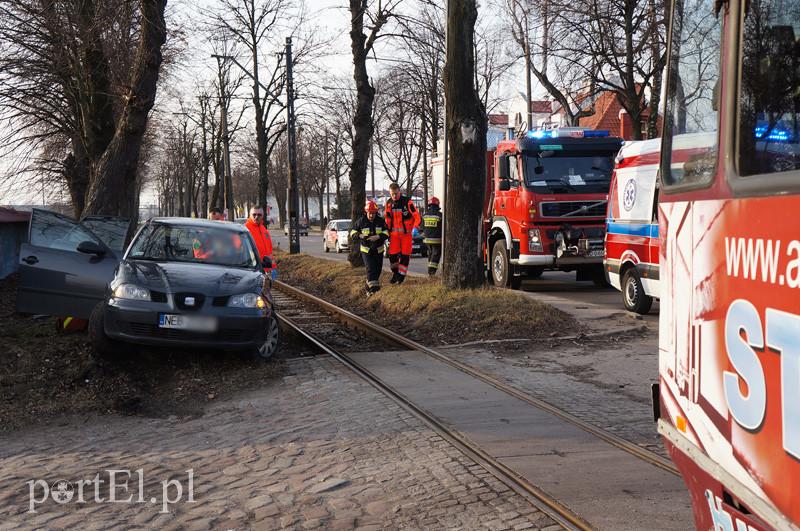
603,382
319,449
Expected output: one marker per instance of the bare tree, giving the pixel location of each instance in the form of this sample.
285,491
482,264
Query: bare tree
466,137
66,82
365,27
620,36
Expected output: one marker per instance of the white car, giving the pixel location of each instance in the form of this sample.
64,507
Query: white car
336,236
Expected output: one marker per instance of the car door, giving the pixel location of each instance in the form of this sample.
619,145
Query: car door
55,278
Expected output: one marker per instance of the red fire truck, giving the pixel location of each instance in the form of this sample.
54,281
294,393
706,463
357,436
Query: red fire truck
546,204
729,333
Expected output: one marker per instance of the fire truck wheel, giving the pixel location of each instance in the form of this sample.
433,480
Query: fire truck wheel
633,295
501,268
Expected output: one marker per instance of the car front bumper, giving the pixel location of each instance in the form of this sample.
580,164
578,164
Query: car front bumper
134,322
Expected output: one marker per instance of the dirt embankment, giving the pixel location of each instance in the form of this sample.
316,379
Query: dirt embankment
44,374
423,309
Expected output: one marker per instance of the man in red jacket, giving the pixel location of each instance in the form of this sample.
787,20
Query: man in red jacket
260,234
401,218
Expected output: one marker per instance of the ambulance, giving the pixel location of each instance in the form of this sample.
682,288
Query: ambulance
631,241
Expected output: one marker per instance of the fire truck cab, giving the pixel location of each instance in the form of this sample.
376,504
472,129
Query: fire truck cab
546,205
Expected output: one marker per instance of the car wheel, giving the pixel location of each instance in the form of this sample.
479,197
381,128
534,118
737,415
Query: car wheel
270,346
338,247
633,295
501,268
325,245
103,347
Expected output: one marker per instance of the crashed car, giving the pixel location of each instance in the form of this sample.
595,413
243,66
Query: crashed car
181,283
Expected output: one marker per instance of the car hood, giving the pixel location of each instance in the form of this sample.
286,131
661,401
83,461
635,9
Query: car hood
175,277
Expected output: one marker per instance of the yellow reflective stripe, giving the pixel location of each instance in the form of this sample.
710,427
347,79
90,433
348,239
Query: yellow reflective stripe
364,249
432,240
373,283
434,265
365,231
353,232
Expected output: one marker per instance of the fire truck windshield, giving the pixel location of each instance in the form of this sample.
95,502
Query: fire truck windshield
570,172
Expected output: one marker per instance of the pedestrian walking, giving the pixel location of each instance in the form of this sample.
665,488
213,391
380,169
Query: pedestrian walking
262,239
432,226
371,233
401,218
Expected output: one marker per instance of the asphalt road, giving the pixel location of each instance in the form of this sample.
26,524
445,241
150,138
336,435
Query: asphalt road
552,283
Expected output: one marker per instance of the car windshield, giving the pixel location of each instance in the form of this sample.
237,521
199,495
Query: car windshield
203,245
559,172
343,225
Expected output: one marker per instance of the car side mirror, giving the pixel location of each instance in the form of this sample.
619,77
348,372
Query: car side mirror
89,247
266,262
504,185
502,167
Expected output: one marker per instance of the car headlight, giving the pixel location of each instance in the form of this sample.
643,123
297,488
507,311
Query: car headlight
535,241
132,292
247,300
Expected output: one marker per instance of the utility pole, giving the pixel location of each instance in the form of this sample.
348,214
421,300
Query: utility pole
294,200
227,180
372,165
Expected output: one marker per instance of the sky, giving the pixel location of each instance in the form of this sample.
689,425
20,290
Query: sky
329,17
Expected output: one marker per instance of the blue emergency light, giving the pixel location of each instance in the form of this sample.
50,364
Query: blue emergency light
567,132
596,134
776,135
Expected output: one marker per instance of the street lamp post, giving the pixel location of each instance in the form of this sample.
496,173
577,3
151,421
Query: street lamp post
294,200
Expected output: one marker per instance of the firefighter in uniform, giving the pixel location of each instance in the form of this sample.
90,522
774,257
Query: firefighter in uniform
401,218
371,233
432,223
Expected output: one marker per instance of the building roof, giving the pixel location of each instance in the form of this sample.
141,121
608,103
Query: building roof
9,215
542,106
498,119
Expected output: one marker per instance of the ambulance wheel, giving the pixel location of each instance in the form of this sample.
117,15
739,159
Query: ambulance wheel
103,347
633,295
502,274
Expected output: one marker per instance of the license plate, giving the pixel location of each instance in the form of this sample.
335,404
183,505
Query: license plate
193,323
596,252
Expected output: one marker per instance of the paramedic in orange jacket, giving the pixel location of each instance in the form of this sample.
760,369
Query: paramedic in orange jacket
260,234
401,218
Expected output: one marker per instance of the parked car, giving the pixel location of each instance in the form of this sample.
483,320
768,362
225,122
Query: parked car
336,236
182,282
303,228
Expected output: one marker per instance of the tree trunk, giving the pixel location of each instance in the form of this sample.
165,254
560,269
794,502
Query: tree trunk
362,121
466,137
112,189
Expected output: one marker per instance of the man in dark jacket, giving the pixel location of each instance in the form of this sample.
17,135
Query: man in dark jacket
371,233
432,223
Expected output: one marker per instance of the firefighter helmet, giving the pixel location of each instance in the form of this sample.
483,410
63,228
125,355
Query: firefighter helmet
434,201
371,206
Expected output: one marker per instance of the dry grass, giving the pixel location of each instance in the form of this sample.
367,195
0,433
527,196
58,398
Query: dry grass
423,309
